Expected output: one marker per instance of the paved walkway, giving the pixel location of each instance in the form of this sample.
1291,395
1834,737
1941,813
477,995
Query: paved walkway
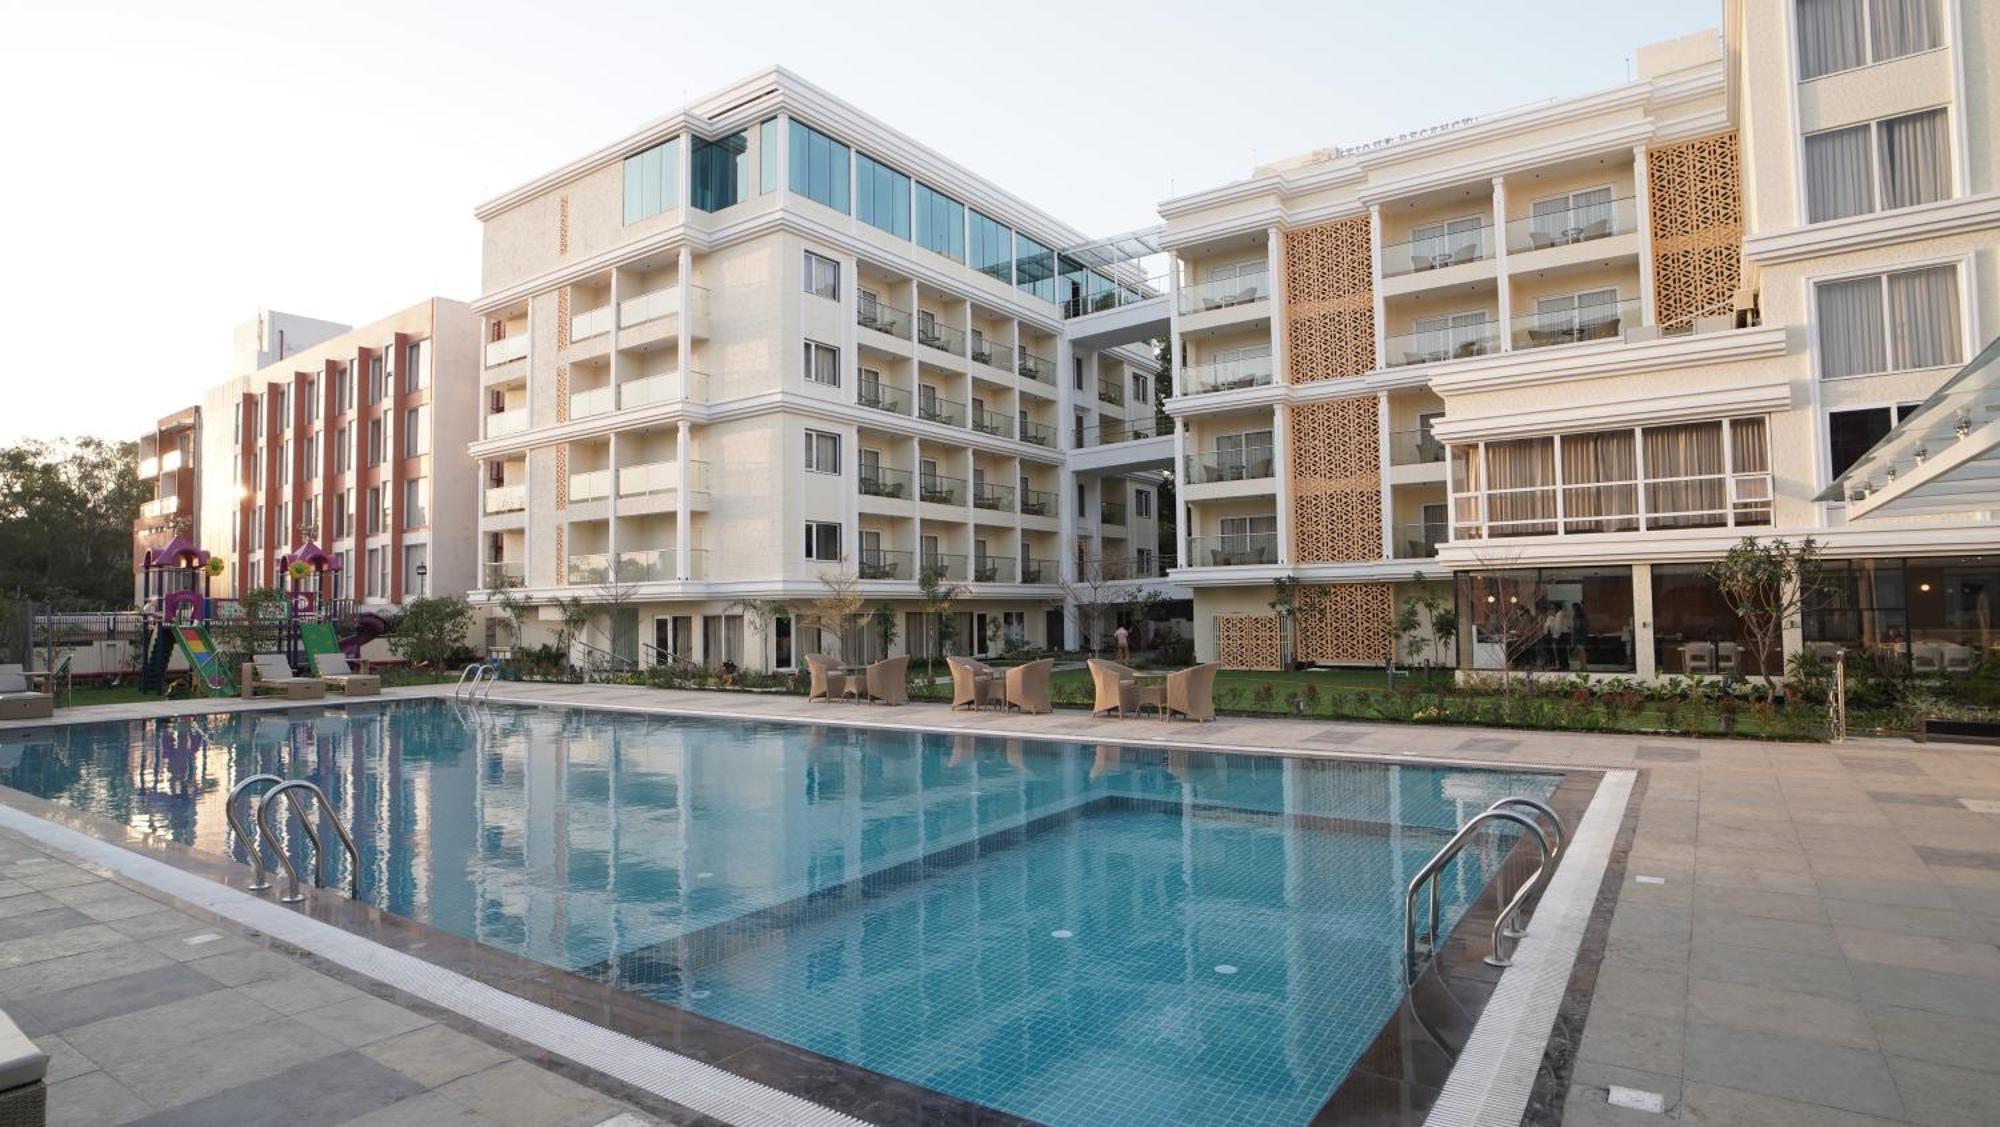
1808,933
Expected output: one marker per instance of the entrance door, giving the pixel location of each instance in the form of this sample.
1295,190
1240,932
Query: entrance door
673,638
625,634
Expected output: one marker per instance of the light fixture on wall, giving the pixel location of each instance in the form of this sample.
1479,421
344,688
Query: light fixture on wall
1924,587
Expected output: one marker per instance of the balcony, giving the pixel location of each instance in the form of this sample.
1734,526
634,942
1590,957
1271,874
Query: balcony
883,397
590,323
1111,391
883,318
882,481
1568,226
501,351
1040,369
944,338
941,490
1435,252
164,464
882,563
993,498
935,409
1226,292
650,478
160,507
502,423
1113,431
1598,321
590,485
1124,567
651,565
593,567
1418,541
1435,346
1228,375
660,388
1230,465
501,574
992,423
504,499
992,355
663,302
1241,549
1038,503
596,401
1414,448
1040,571
993,569
1111,512
1037,433
944,565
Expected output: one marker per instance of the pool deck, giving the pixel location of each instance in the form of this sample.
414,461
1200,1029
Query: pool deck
1806,933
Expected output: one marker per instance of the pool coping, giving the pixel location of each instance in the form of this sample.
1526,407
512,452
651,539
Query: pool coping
810,1075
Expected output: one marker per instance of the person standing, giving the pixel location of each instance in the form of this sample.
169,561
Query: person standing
1124,639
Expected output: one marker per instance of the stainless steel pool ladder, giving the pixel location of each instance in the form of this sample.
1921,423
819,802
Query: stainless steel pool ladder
1503,934
262,822
472,678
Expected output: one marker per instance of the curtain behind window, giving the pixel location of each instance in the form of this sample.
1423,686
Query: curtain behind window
1903,27
1851,339
1830,36
1916,159
1685,450
1524,464
1590,462
1923,307
1838,177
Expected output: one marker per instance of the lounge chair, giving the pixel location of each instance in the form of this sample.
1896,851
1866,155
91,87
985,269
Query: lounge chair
1191,692
272,673
974,684
1117,687
17,701
888,681
23,1069
334,670
828,682
1028,685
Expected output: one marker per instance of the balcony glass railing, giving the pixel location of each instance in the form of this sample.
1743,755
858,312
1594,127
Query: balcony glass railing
883,397
507,422
885,563
944,565
1117,430
1111,512
1225,292
660,477
160,507
1229,465
1037,433
590,485
1122,567
1418,541
507,573
1040,571
943,337
936,409
1111,391
653,565
505,499
592,567
992,354
1579,224
884,481
1243,549
1038,503
1435,346
883,318
1414,448
1435,252
594,401
663,302
997,498
1585,323
941,490
500,351
993,423
1228,375
993,569
661,388
1113,295
590,323
1040,369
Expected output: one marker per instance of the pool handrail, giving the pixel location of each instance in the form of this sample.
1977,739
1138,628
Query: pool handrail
292,893
247,834
1435,866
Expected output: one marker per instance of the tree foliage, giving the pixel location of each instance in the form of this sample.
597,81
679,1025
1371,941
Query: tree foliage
1770,584
432,631
66,513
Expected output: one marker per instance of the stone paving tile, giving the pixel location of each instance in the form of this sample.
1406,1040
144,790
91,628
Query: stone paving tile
1956,1040
1779,970
94,1100
1791,1068
77,970
435,1054
1924,895
1587,1104
363,1021
56,917
1810,1016
1762,905
432,1109
64,1061
1959,858
185,1021
1630,1039
298,991
1946,956
111,997
329,1090
1641,989
1737,930
1940,1094
1906,919
1732,1107
517,1094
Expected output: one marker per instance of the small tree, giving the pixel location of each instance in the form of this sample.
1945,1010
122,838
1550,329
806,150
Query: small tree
936,598
576,612
513,608
839,608
431,631
883,619
1285,601
764,612
1771,584
1427,617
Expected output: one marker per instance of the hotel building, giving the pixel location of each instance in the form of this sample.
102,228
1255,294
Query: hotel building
768,350
1555,360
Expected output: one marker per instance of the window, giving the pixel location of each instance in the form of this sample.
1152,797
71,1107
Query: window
1142,502
414,557
819,169
719,173
378,587
1837,35
340,511
374,442
882,196
822,452
343,390
652,181
375,513
283,464
414,515
1570,218
1850,434
1442,244
375,381
310,456
413,432
822,363
822,276
1577,619
767,156
311,393
1877,166
1591,315
343,451
1034,267
940,223
822,540
1888,322
1142,388
416,358
992,248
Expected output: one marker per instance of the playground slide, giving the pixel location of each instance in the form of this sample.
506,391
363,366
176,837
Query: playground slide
210,671
368,626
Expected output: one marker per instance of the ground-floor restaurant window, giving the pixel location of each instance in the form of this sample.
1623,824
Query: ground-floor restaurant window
1547,619
1927,615
1694,630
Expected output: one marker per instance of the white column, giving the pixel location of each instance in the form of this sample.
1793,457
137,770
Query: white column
1175,356
1180,494
613,338
683,342
611,508
1375,286
1642,621
1500,263
683,533
1642,211
1281,469
1281,348
1382,474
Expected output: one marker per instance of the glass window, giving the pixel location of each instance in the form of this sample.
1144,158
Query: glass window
822,276
822,540
767,156
822,364
1877,166
822,452
1034,267
819,167
414,515
417,358
1695,632
1850,434
991,249
940,223
881,196
1563,619
1888,322
413,432
652,181
1837,35
719,172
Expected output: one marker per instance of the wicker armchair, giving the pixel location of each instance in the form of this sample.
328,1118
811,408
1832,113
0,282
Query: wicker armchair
828,682
888,681
1117,687
1191,693
974,684
1028,685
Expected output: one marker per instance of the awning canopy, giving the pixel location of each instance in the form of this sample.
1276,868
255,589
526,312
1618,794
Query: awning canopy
1943,459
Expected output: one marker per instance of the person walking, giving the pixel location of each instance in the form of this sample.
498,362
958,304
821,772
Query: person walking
1124,639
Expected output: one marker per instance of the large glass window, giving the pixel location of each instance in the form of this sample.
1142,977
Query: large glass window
940,223
1926,615
720,172
1034,267
652,181
1850,434
992,247
1695,632
1877,166
882,196
1888,322
1837,35
818,169
1561,619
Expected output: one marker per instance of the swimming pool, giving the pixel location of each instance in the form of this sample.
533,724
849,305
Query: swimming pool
1067,932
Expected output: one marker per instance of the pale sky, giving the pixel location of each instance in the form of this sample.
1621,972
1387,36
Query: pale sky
172,167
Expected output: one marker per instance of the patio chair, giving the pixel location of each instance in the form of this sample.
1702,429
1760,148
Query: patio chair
1697,658
1927,657
1028,685
23,1069
334,670
1117,687
17,701
827,682
272,674
888,681
1191,692
974,684
1957,658
1727,656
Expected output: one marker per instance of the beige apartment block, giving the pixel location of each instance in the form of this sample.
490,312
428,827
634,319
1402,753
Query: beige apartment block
767,354
1554,360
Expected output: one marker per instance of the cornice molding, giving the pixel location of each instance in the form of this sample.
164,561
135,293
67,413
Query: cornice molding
1944,218
1538,366
1774,394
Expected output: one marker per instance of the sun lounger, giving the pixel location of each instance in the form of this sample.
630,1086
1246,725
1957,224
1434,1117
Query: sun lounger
272,674
17,701
334,670
23,1069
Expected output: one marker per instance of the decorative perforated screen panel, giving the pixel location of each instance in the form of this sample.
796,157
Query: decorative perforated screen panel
1343,622
1694,192
1329,301
1247,641
1336,481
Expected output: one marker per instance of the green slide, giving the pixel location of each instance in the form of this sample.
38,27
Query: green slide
318,639
210,671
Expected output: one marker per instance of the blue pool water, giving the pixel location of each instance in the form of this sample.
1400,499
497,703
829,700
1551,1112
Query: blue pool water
1074,933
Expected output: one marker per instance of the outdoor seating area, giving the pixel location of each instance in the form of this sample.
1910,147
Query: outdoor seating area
23,1070
1187,693
271,675
882,682
333,669
18,701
